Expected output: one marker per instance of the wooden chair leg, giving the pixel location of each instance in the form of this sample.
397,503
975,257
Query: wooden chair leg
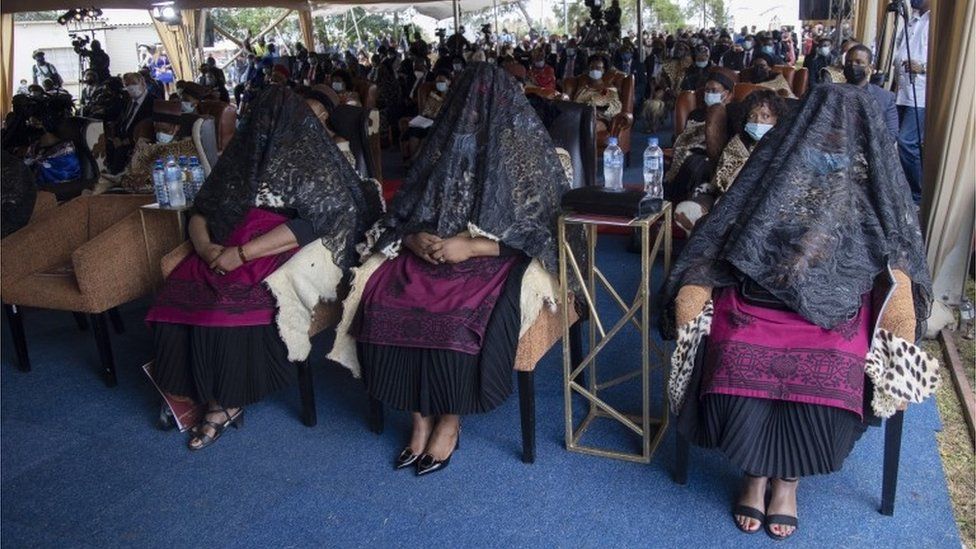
307,392
99,324
892,452
681,451
81,320
526,384
15,316
116,318
376,415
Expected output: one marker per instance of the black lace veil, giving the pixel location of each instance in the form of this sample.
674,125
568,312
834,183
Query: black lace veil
820,210
487,161
282,151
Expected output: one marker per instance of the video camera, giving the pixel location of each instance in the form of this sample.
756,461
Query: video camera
79,41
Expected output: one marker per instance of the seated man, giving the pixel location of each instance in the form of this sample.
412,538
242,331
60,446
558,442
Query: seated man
697,74
121,137
764,109
341,82
412,137
594,91
819,60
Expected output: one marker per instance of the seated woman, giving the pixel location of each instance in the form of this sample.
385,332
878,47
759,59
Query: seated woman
764,108
778,325
438,325
341,82
281,183
541,75
412,137
696,148
53,159
594,91
763,75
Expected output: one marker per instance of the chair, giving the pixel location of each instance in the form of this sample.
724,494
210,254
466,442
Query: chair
87,257
200,128
351,123
225,120
369,93
686,102
801,81
789,73
574,129
743,89
75,129
620,126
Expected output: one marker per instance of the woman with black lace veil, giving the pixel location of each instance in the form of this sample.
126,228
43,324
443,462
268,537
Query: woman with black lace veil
280,185
436,313
798,300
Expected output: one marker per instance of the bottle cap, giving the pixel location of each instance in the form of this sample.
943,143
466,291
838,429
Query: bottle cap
612,141
652,141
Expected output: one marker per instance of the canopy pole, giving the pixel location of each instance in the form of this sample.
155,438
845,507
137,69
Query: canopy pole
566,18
456,4
494,12
640,31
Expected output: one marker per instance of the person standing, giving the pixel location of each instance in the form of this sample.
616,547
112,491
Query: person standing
910,96
44,70
857,71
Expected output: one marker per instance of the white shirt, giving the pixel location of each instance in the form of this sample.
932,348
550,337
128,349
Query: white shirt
133,109
918,45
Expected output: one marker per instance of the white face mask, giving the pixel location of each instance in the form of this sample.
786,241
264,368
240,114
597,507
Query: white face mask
186,106
756,130
491,60
701,64
747,45
441,86
419,74
135,91
164,138
596,74
712,98
338,86
825,51
540,64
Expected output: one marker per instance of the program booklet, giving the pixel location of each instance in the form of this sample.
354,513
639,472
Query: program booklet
186,412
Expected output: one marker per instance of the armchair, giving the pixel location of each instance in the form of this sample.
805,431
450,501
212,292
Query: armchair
621,124
573,128
90,257
225,120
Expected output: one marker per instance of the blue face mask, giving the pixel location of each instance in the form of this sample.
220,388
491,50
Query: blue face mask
917,4
756,130
767,50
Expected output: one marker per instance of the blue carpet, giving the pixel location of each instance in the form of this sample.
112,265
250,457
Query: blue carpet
81,465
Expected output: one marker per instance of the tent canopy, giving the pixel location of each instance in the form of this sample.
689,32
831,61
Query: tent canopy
435,9
438,9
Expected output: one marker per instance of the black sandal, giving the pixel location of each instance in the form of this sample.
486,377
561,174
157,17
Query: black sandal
740,510
237,420
781,520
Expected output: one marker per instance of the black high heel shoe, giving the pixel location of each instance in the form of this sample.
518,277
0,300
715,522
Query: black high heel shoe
405,459
165,421
427,464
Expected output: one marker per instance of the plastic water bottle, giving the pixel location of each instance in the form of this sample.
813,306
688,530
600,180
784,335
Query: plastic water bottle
613,166
159,184
653,170
174,184
197,176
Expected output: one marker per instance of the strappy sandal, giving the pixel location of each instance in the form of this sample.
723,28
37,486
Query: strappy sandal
781,520
237,420
740,510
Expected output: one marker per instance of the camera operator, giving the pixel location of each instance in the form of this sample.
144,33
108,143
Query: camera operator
44,70
97,58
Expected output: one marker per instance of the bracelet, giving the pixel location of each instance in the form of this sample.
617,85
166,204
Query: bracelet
240,254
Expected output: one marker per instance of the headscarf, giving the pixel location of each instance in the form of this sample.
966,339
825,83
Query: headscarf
488,162
283,152
820,210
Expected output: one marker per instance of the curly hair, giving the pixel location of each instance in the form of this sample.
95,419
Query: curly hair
776,104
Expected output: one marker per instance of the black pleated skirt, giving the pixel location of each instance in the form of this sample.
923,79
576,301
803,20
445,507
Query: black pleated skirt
435,381
769,438
234,366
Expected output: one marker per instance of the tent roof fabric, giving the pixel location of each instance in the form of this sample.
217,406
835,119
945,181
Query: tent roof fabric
438,9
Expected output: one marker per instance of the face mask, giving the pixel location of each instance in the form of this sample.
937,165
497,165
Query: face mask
768,50
627,57
418,74
701,64
747,45
338,86
491,60
756,130
441,86
540,64
570,52
457,68
135,91
824,51
855,74
186,106
596,74
163,138
712,98
917,4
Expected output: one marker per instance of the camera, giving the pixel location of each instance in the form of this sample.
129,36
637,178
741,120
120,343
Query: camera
441,33
79,41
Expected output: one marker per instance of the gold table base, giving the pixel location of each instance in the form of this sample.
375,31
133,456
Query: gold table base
637,313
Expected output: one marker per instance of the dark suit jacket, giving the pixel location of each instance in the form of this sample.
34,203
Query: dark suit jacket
576,70
145,111
735,60
886,102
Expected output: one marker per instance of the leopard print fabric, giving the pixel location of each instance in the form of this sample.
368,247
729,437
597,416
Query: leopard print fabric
899,370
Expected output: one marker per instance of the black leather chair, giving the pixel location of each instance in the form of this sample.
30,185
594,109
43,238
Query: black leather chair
572,126
73,128
352,124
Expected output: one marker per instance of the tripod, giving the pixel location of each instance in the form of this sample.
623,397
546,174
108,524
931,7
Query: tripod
899,10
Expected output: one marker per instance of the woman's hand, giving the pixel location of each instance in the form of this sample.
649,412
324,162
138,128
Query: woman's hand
452,250
209,252
227,261
420,243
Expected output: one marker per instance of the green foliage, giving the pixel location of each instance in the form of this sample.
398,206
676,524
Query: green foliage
716,14
658,14
38,15
335,29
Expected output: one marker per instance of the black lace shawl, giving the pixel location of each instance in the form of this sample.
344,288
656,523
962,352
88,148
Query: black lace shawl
18,194
817,213
487,161
283,152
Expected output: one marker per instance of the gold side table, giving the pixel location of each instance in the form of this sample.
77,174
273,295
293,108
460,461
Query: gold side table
179,215
637,313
